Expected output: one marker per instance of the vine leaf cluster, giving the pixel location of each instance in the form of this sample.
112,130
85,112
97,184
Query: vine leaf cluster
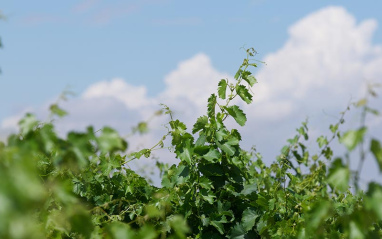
81,186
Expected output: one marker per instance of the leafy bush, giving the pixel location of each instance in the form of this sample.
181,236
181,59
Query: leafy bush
81,186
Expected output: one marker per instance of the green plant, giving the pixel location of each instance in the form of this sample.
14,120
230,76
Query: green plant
82,187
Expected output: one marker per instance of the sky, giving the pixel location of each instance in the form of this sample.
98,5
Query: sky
123,58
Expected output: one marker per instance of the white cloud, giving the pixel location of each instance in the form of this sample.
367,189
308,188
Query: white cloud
327,54
134,97
189,86
187,89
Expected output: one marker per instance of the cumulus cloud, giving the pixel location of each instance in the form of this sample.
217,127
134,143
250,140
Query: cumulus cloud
326,59
190,84
134,97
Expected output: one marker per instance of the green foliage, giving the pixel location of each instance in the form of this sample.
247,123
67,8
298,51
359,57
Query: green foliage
81,186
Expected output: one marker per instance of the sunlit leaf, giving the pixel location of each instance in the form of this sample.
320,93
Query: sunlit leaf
361,102
374,199
355,230
200,124
376,149
244,94
27,124
250,79
211,106
56,110
322,141
248,219
352,138
237,114
109,140
222,88
339,175
212,155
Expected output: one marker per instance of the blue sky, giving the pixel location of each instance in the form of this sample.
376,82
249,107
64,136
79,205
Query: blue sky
123,58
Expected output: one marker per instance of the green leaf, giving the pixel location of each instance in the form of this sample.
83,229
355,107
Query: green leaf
352,138
142,127
178,225
333,128
201,140
178,126
237,232
355,230
218,225
221,134
56,110
262,225
212,155
319,213
328,153
339,175
250,79
373,111
227,148
146,232
211,106
205,220
238,115
374,199
186,152
153,211
222,88
80,222
145,152
248,219
205,183
27,124
120,230
248,189
322,141
109,141
361,102
376,149
81,147
200,124
238,73
244,94
207,195
211,169
232,140
262,201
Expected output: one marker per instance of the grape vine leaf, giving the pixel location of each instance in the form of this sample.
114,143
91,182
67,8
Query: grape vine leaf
352,138
244,94
211,106
212,155
28,123
237,232
222,88
238,115
376,149
200,124
339,175
109,140
249,219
